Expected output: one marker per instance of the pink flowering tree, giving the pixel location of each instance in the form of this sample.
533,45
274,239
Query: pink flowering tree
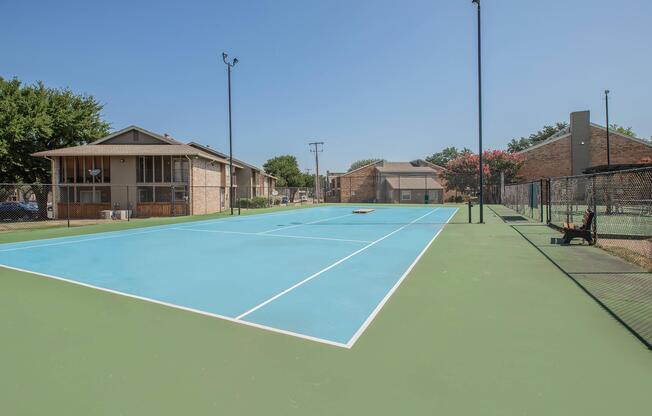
464,172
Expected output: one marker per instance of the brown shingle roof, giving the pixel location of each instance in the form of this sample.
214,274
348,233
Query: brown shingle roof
413,182
403,167
131,150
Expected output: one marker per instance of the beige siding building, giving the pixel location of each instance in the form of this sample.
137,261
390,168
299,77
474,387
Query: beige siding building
143,172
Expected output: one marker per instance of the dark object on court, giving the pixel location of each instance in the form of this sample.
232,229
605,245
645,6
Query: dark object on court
584,231
16,211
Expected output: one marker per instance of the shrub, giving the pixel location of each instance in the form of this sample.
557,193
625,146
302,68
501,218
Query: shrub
256,202
455,198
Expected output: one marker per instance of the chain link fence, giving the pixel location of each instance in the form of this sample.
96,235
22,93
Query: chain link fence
528,199
622,203
31,206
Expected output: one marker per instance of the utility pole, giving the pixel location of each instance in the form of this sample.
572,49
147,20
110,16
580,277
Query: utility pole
316,148
606,103
477,2
230,65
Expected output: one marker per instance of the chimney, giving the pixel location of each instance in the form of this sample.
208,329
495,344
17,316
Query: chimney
580,127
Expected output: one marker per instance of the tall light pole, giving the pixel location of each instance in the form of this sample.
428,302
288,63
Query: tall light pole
477,2
230,65
316,148
606,103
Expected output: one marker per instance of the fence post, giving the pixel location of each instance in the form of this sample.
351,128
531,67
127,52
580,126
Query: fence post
595,212
549,195
470,206
68,205
172,205
541,199
128,206
568,204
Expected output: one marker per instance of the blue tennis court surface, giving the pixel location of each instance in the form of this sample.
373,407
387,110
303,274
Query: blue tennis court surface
319,273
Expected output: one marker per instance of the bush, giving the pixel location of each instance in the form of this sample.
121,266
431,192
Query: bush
256,202
455,198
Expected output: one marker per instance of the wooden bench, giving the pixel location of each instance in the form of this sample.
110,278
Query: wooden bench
571,231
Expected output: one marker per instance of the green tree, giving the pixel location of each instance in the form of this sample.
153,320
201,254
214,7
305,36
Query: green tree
442,158
34,118
622,130
286,169
360,163
518,145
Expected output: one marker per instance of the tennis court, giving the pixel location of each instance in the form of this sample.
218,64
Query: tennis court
320,273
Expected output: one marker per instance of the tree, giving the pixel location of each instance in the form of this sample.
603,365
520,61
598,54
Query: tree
622,130
360,163
518,145
34,118
442,158
464,171
286,169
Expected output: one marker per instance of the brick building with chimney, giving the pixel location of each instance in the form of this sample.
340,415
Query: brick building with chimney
580,146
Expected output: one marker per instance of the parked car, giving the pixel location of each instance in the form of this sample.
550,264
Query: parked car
17,211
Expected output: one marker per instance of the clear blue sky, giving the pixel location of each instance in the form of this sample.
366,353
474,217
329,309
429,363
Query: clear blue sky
373,78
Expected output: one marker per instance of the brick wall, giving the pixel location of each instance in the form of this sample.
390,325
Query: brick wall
547,161
554,159
206,182
359,186
622,150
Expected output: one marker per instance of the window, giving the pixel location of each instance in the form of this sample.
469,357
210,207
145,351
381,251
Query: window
162,194
145,194
167,169
79,169
158,169
406,195
180,195
149,169
89,197
161,169
180,169
106,169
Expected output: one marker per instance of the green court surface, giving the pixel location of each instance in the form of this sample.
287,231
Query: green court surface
483,325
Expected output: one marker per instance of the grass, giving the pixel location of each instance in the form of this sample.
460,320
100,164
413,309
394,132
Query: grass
629,256
42,231
483,325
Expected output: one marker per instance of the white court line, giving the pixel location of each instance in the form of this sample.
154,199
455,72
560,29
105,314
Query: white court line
305,223
104,237
380,305
183,308
271,235
342,260
128,232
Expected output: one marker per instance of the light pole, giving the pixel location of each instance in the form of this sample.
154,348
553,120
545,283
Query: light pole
316,148
477,2
606,103
230,65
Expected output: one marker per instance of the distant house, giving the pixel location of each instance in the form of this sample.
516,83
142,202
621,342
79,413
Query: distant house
138,170
389,182
581,146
